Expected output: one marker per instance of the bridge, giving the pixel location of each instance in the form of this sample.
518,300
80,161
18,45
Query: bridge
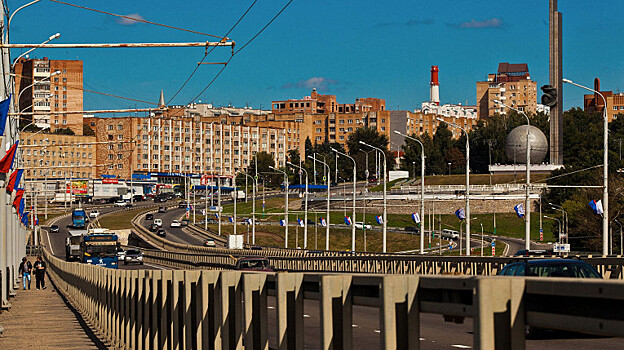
189,296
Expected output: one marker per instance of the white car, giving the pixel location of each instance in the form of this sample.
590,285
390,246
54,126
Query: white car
120,203
360,226
176,223
158,222
94,214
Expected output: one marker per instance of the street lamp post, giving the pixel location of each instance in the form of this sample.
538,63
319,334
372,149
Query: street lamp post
558,222
235,199
253,208
286,205
527,200
354,182
467,182
328,197
385,183
422,189
305,212
621,236
605,168
564,214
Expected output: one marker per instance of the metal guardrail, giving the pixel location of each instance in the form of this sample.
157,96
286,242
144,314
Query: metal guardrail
197,309
609,267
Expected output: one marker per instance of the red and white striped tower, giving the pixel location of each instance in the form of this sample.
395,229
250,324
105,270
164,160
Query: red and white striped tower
434,89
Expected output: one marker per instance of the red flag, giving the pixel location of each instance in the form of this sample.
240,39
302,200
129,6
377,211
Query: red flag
7,162
13,180
18,197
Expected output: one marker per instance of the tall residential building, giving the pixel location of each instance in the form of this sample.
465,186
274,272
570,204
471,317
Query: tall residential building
51,97
594,103
512,85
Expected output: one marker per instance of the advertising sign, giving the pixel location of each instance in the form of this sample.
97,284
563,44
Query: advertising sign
78,187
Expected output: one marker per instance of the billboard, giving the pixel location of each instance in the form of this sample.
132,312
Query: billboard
78,187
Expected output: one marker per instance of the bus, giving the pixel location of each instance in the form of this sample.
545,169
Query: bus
100,250
78,218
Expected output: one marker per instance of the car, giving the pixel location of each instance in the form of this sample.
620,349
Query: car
158,222
360,226
133,256
182,204
534,252
412,229
254,264
162,209
311,222
161,233
184,222
153,227
55,229
160,199
138,197
149,217
210,243
120,203
121,254
175,223
550,268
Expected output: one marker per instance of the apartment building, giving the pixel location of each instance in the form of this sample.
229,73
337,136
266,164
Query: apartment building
324,104
512,85
51,97
57,156
594,103
183,144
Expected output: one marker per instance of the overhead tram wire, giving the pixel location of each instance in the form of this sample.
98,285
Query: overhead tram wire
137,19
209,52
241,49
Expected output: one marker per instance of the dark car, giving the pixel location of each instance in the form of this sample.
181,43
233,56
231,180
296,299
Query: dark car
149,217
153,227
133,256
254,264
160,199
182,205
412,229
184,222
550,268
161,233
534,252
311,222
54,229
162,210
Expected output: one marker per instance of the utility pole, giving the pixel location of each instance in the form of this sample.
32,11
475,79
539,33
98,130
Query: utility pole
490,143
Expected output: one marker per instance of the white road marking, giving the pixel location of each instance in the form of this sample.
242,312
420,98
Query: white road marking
421,339
49,243
306,316
354,326
461,346
157,267
377,331
271,307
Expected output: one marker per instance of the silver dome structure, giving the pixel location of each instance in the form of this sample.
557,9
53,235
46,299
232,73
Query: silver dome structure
515,146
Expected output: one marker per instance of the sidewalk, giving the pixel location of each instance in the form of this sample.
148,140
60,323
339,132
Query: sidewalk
40,319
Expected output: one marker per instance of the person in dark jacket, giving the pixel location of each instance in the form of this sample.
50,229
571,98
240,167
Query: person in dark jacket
25,269
40,270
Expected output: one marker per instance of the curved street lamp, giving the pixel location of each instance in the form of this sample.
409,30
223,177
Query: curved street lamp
385,182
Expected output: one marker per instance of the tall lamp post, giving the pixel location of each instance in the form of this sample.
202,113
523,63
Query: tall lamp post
527,200
621,236
467,182
422,189
305,212
385,183
253,208
354,182
286,205
328,198
605,169
558,222
564,214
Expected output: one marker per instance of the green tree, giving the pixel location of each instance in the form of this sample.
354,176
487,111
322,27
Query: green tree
373,138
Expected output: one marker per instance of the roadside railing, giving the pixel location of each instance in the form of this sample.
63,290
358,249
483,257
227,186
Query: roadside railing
197,309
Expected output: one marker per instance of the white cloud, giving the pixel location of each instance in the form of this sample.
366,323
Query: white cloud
320,83
487,23
130,21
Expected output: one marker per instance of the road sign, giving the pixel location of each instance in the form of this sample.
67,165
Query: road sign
561,248
450,246
493,248
324,178
541,234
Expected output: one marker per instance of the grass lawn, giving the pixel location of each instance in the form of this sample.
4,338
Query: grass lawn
340,239
481,179
120,220
51,216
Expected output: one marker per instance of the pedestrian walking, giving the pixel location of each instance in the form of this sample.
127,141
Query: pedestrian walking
40,269
25,269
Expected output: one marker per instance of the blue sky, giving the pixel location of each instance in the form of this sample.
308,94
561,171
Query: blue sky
347,48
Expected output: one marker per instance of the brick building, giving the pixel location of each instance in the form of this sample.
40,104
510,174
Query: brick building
324,104
512,85
55,155
594,103
50,96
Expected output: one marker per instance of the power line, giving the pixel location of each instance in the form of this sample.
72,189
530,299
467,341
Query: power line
239,50
137,19
209,52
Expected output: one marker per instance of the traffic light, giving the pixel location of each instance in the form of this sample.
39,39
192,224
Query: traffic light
549,98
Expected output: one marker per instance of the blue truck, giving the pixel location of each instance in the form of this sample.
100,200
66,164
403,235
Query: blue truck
78,218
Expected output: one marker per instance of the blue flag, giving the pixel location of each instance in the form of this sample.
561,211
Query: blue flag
282,223
461,215
379,219
4,112
519,208
596,206
22,206
416,218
